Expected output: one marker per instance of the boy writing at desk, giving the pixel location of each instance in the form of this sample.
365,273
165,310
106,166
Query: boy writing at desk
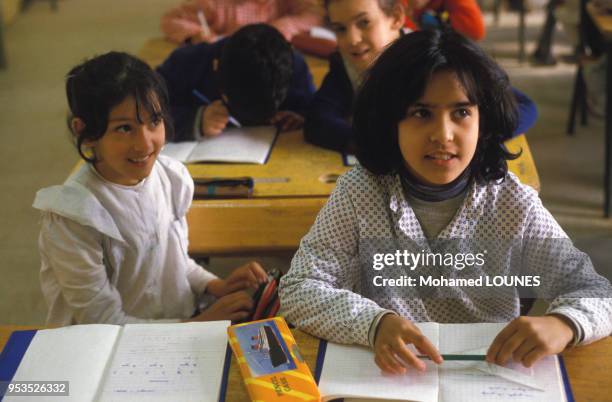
253,76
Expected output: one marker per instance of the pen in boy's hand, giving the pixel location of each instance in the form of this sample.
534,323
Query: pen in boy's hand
207,101
458,357
235,122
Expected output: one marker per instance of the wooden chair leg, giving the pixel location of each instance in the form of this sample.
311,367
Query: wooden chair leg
543,53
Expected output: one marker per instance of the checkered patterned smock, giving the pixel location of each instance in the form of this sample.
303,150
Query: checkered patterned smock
322,294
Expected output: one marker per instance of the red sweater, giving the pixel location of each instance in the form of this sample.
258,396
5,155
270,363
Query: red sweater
464,15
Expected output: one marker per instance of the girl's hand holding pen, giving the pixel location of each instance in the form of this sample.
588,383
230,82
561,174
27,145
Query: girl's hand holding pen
214,118
528,339
391,353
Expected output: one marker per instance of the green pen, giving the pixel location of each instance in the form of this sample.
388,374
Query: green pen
459,357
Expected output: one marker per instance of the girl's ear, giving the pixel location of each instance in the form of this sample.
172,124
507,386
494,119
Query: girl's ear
399,17
77,125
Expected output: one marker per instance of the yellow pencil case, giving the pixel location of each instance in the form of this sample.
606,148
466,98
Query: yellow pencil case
270,362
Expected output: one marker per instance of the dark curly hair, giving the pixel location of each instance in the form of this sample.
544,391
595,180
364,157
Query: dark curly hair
97,85
398,80
255,72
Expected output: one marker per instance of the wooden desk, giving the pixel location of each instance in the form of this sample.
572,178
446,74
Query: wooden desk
588,367
280,214
603,22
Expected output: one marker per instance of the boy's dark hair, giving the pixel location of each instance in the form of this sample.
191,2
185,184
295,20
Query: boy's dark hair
398,80
255,72
97,85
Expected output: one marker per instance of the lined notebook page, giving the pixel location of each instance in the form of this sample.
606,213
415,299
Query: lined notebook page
465,382
167,362
78,354
350,371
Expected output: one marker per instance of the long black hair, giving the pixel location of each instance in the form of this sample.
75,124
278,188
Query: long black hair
398,79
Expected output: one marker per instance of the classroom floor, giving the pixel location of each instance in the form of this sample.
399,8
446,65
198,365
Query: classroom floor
35,150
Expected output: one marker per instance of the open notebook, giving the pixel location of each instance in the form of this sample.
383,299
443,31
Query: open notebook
235,145
136,362
350,372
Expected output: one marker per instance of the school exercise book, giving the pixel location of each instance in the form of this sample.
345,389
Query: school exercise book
135,362
348,371
234,145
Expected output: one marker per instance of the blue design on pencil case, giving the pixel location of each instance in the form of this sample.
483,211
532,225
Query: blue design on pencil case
264,348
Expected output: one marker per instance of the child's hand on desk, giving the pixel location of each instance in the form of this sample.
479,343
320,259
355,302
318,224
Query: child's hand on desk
528,339
391,353
235,307
214,118
287,120
250,275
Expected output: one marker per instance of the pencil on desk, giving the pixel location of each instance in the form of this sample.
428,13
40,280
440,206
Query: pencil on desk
458,357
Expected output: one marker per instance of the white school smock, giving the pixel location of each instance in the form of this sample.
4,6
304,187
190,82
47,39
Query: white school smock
331,266
118,254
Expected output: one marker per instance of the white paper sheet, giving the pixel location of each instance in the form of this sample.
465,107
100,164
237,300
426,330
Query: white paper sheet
167,362
78,354
351,371
481,381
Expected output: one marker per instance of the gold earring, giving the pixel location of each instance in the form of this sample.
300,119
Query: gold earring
88,151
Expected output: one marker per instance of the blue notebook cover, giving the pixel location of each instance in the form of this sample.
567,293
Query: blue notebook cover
11,356
323,348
